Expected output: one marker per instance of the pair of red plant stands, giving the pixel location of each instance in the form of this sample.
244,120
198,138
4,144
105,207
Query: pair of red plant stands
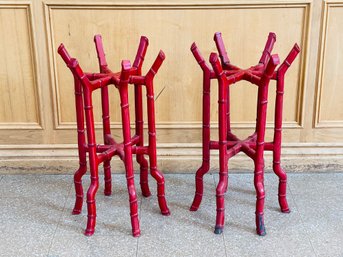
228,144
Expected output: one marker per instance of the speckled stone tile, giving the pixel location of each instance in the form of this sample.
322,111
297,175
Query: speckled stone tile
319,199
32,211
77,245
322,211
28,225
313,185
285,244
29,243
35,218
327,242
184,233
113,212
286,235
36,186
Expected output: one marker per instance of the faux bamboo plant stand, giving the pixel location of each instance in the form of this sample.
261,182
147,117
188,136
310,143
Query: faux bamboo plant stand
85,84
229,144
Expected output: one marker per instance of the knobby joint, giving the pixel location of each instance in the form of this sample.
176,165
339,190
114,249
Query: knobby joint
124,106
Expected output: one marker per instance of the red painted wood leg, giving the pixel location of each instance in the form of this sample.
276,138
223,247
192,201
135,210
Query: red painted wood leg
260,196
143,163
106,131
140,55
78,188
93,161
162,202
131,188
262,101
79,173
222,127
144,173
136,232
220,201
124,99
105,110
199,185
91,222
131,184
81,140
108,179
157,175
282,192
206,100
278,128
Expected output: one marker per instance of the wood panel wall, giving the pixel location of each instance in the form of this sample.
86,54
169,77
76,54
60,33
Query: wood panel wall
37,116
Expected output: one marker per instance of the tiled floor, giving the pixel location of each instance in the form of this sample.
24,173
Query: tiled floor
35,219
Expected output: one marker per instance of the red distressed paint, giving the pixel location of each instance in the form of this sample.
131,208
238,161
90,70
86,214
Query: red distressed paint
229,144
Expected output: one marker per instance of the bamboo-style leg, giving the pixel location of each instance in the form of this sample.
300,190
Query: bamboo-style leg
107,178
222,120
78,183
124,99
205,166
106,131
81,140
228,124
266,54
259,156
139,132
93,162
259,161
88,108
105,111
91,206
277,147
157,175
280,79
141,51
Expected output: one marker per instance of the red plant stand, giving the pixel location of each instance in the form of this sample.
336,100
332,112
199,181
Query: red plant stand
229,144
85,85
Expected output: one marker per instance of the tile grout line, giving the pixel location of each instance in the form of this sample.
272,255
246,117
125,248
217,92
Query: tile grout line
301,218
59,220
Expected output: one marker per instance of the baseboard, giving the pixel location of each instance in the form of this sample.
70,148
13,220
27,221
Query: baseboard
172,158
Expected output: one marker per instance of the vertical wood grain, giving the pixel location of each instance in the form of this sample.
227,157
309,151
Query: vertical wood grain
19,101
